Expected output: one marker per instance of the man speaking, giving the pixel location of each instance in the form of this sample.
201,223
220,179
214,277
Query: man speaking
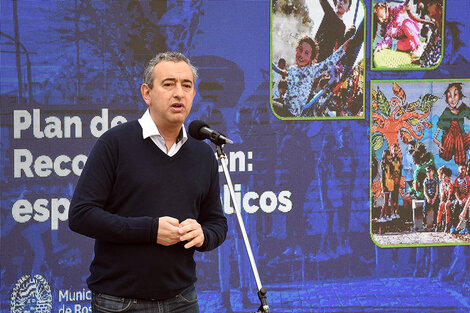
149,195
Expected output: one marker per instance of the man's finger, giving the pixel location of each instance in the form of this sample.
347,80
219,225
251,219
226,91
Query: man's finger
170,220
188,228
197,241
190,235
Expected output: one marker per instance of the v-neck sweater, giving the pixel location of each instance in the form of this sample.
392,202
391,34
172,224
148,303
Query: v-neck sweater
126,185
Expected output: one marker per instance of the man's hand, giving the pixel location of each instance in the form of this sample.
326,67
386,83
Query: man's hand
168,231
190,230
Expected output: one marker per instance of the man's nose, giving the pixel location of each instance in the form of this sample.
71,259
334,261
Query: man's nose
178,91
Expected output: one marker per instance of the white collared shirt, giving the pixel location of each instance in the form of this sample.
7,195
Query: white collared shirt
149,129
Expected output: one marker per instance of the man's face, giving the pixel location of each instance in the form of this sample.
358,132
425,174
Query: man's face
172,95
303,54
453,97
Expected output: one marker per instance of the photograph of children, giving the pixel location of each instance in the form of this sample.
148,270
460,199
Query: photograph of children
317,55
407,34
420,152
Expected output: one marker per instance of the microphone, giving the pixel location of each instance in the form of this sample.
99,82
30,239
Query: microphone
200,130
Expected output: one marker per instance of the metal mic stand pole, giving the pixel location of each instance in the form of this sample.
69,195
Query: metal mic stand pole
264,307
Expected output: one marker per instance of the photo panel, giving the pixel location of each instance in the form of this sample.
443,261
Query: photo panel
420,168
407,34
317,59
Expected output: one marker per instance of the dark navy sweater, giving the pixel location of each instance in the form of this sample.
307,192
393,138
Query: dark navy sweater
126,185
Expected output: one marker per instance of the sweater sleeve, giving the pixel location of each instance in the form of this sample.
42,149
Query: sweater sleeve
88,214
211,218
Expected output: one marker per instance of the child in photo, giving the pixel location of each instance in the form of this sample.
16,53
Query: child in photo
421,158
388,185
462,194
431,193
397,167
399,24
464,216
331,32
433,51
301,76
277,77
447,195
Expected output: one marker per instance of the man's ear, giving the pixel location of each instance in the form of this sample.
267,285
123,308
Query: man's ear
145,91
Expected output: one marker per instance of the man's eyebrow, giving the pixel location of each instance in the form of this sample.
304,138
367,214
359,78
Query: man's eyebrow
169,80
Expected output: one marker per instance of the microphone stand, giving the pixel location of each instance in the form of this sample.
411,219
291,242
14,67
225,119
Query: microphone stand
264,307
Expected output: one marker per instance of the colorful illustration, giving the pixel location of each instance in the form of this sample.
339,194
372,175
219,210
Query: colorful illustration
426,126
318,59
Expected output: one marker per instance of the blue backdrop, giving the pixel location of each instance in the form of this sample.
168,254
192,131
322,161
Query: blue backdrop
72,69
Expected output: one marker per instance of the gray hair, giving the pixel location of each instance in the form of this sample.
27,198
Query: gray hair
166,56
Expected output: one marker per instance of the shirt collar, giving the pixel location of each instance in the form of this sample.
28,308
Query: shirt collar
150,129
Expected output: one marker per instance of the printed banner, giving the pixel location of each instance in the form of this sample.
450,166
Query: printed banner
309,137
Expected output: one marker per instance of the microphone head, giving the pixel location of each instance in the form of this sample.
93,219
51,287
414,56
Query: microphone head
195,127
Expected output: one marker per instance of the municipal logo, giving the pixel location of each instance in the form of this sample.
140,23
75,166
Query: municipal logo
31,295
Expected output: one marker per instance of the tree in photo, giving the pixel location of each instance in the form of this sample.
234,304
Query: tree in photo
397,119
